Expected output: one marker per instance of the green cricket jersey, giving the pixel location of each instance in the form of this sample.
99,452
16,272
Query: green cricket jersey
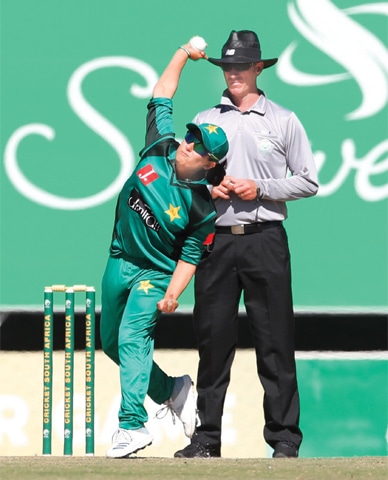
160,219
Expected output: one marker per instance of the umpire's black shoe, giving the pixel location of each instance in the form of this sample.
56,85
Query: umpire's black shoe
285,450
197,450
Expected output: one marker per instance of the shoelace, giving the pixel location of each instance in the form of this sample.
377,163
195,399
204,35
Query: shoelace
161,413
121,436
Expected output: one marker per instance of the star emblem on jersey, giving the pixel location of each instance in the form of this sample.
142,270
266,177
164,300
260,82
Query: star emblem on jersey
212,129
145,285
173,212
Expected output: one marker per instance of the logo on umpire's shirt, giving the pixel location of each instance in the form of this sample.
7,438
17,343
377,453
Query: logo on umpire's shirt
137,204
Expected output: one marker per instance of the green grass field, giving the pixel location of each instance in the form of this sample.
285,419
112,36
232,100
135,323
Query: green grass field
95,468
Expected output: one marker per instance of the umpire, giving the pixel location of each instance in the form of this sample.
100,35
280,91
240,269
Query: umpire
269,163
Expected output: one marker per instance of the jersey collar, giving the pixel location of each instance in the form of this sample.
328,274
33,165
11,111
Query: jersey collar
258,107
184,183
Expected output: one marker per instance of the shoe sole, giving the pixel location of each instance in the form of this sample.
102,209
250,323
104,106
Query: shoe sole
126,455
193,417
197,456
282,455
199,453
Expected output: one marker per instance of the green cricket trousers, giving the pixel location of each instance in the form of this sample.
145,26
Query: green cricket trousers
129,315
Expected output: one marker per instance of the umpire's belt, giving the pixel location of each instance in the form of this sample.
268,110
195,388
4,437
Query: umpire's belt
247,228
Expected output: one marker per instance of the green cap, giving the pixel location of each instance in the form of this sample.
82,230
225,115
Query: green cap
213,138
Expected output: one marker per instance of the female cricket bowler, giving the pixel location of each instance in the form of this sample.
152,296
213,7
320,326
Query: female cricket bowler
164,215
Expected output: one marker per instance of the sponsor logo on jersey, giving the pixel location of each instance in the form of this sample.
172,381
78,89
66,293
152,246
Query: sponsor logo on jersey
147,174
137,204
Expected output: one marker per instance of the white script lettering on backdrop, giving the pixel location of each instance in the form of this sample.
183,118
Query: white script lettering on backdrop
363,57
96,122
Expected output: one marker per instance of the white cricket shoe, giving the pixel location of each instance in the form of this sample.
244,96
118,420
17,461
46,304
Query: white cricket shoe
125,442
182,402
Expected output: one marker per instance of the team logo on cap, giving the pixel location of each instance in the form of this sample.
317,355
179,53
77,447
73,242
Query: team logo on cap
212,129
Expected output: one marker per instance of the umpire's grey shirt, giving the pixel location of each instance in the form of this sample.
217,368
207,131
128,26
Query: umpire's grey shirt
269,145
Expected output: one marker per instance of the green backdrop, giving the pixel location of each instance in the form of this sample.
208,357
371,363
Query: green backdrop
343,405
75,80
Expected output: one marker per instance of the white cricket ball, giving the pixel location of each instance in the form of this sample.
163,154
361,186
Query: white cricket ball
198,43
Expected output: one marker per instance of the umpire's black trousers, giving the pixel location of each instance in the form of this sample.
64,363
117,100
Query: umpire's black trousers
257,265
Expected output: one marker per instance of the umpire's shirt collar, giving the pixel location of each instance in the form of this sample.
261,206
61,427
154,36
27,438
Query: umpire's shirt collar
258,107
